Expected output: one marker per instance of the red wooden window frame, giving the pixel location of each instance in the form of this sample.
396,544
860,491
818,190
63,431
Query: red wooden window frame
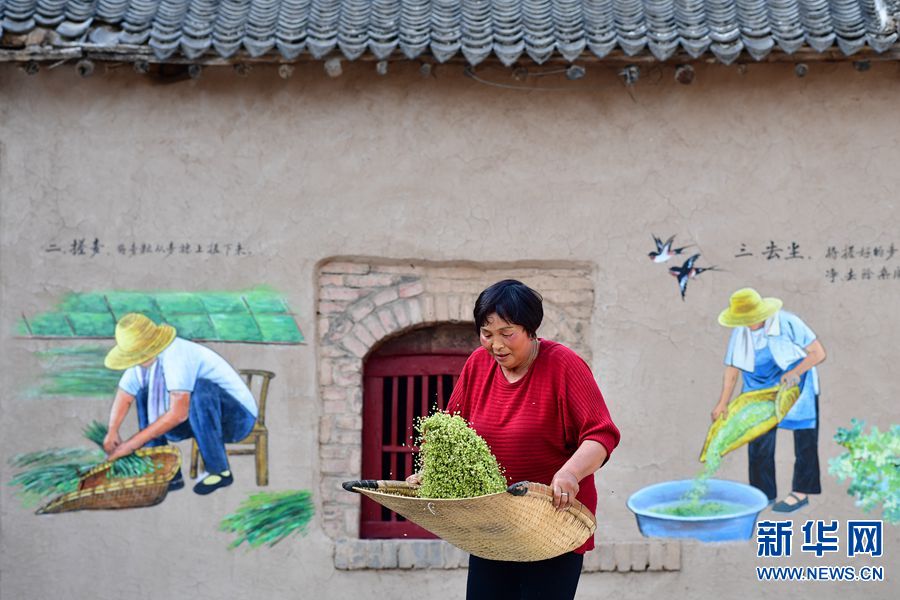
415,386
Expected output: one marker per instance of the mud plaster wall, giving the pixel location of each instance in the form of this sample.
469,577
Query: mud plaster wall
445,169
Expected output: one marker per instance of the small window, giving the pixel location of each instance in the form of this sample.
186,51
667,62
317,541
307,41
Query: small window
406,378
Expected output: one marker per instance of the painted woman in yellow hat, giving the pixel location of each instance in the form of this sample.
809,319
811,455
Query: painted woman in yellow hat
182,390
769,347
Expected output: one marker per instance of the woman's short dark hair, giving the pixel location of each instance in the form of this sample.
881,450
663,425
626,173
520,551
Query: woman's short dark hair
514,302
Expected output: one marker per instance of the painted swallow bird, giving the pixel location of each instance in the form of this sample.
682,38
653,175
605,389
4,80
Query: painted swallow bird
665,251
688,271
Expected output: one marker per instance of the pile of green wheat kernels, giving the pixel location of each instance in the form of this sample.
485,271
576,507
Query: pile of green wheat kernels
454,461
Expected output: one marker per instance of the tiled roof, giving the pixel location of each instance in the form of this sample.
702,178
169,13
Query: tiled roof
476,29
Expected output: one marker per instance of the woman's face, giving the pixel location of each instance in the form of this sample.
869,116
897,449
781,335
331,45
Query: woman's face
509,344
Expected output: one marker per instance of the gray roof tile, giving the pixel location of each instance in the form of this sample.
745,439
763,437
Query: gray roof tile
50,12
475,29
17,15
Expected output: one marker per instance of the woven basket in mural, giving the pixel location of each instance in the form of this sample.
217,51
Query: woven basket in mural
96,491
519,524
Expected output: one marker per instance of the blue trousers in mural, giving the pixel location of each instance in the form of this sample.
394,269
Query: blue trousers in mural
214,419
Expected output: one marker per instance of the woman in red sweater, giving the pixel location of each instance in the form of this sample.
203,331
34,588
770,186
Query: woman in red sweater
538,407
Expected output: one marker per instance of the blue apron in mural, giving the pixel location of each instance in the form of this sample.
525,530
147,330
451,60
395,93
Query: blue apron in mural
768,374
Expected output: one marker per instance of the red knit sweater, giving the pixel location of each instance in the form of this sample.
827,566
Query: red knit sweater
534,425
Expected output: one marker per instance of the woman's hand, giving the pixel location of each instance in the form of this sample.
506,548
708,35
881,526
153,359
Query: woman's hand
111,441
565,487
720,409
414,479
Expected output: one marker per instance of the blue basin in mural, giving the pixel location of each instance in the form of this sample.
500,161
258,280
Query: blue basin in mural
739,524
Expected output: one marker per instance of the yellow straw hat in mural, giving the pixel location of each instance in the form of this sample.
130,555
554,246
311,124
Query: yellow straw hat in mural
746,307
138,339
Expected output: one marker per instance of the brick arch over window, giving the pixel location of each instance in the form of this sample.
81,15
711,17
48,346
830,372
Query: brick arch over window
404,379
362,303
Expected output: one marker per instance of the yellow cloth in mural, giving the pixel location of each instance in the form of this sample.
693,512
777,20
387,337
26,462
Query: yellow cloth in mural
781,401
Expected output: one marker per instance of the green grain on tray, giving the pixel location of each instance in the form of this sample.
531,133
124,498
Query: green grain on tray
455,462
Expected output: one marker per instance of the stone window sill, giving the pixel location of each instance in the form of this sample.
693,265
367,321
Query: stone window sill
622,557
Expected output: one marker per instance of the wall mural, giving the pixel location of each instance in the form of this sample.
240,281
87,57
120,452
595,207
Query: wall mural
665,251
255,316
688,269
73,371
854,264
848,264
258,315
772,354
772,358
179,388
157,361
871,465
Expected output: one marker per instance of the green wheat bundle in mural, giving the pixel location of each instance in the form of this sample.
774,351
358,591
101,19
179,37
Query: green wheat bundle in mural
127,466
456,462
51,472
269,517
56,471
872,465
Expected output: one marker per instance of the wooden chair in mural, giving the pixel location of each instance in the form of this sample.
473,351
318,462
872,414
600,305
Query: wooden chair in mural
258,382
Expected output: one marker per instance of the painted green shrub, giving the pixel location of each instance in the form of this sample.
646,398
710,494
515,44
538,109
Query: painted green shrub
872,466
455,462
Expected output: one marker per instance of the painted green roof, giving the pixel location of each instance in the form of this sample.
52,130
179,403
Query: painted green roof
258,315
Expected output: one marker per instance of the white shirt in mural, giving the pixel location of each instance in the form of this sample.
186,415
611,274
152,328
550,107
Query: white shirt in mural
184,362
787,337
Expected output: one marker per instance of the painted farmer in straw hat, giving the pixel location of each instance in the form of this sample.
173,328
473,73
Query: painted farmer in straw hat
182,390
770,347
